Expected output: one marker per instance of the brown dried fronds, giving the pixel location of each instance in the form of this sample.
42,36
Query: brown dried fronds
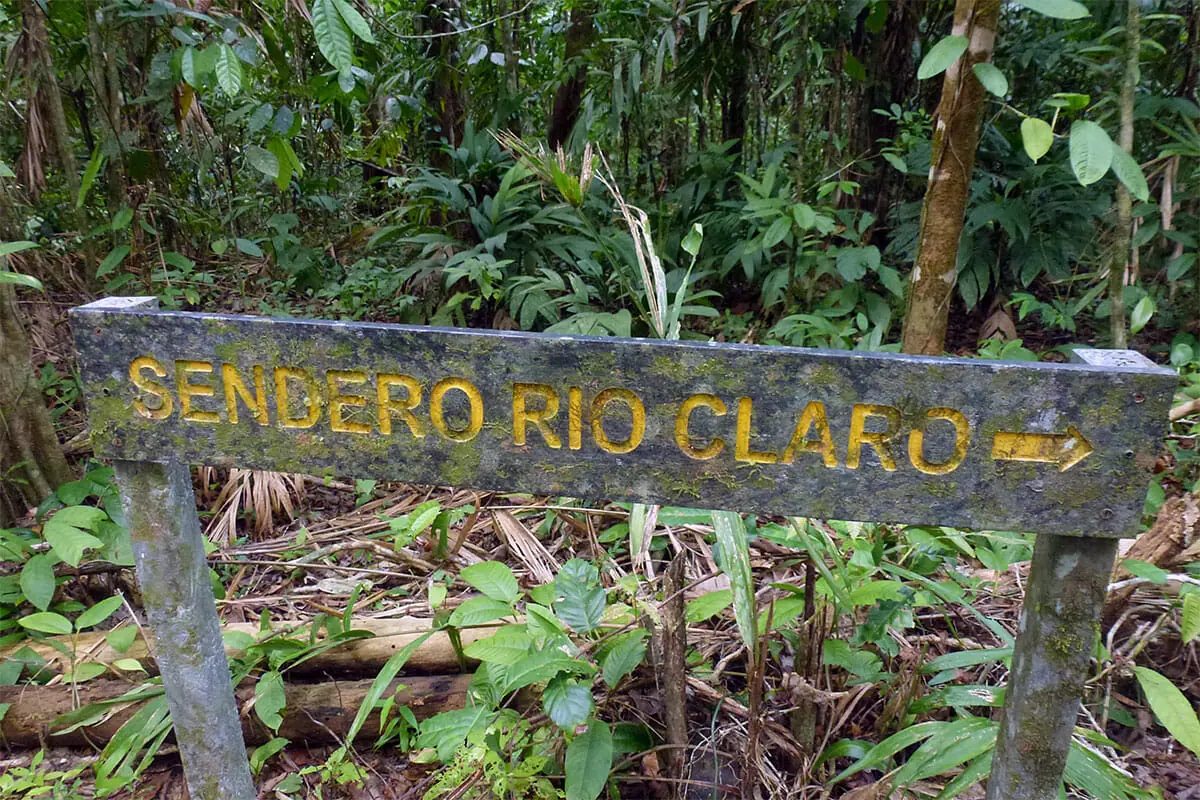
262,492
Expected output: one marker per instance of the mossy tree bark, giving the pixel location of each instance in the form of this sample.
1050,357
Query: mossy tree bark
32,463
955,140
569,96
444,96
1123,244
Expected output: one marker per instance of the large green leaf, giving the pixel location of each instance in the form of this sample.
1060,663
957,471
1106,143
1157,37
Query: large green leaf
941,56
263,160
494,579
112,260
480,610
46,622
229,71
622,656
992,78
98,613
20,280
580,601
269,699
567,703
8,248
734,560
1036,137
1172,708
1188,630
1059,9
37,581
354,21
506,646
333,38
588,762
67,532
1129,173
446,731
1141,314
1091,151
542,666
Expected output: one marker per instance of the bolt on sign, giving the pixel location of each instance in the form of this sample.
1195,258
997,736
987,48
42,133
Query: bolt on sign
1053,448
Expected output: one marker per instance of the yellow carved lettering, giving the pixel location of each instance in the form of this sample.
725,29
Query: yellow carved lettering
880,441
742,449
574,418
522,414
235,389
684,439
962,438
637,412
813,415
437,413
388,406
166,404
338,401
187,390
312,398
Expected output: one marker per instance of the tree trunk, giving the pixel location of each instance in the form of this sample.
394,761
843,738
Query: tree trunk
955,140
106,84
32,463
444,97
1124,238
569,96
737,87
43,87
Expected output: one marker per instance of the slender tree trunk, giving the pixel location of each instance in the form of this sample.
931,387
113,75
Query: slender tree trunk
107,88
1122,247
569,96
43,87
737,87
444,97
954,143
32,463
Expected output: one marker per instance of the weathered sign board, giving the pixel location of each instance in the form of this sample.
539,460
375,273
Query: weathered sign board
1064,450
977,444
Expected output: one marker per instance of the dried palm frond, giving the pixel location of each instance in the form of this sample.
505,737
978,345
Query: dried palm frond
262,492
526,547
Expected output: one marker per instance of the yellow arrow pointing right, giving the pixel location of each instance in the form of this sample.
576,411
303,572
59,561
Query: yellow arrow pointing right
1065,449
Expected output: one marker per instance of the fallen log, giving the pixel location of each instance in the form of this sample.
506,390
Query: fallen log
359,657
316,713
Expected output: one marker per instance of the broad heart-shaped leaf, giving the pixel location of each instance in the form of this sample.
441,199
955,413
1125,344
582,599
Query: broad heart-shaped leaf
1059,9
1190,628
269,699
567,703
263,160
64,532
354,21
229,71
580,601
622,656
941,56
734,561
46,622
37,581
480,610
588,762
333,39
1172,708
506,646
1091,151
991,77
493,579
1129,173
98,613
1036,137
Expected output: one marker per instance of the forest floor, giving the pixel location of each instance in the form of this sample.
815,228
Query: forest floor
277,573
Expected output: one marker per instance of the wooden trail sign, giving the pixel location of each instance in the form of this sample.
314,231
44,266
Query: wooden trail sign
975,444
1061,449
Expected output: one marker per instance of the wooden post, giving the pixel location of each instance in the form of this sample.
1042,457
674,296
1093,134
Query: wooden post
177,595
1059,621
